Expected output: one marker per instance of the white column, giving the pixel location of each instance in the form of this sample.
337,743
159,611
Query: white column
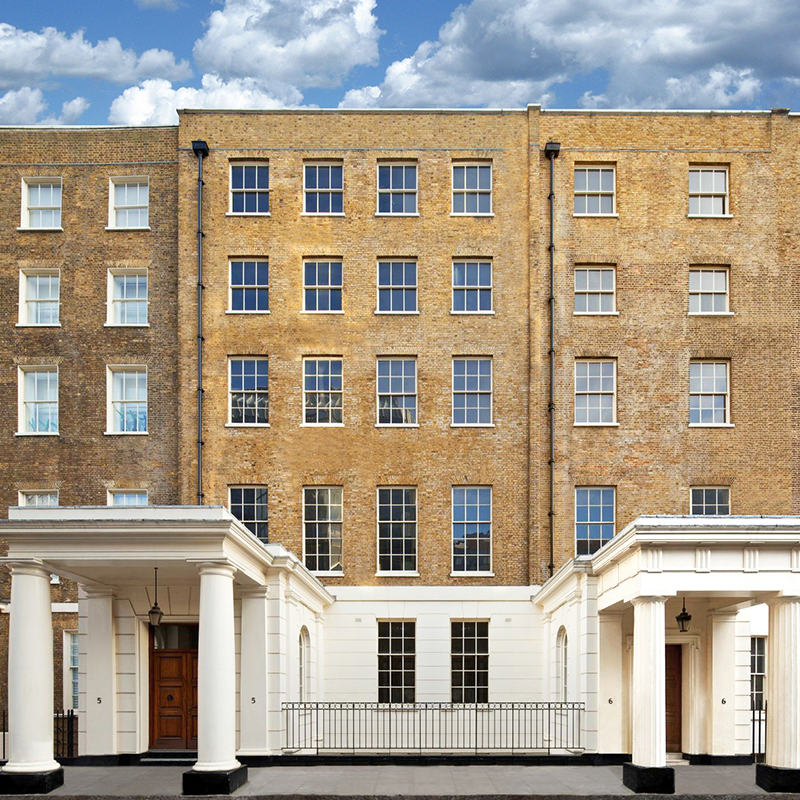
216,671
612,701
783,683
277,658
30,671
649,745
101,695
722,689
254,720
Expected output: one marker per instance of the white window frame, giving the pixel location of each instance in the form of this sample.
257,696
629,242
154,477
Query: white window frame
465,191
727,423
331,572
401,657
22,401
303,665
713,488
463,670
755,655
576,393
70,670
25,212
599,193
112,302
453,423
111,369
612,522
110,494
244,286
26,493
404,287
379,394
727,293
700,169
256,521
562,665
467,287
466,572
303,422
393,191
230,423
404,572
24,274
120,180
245,163
600,292
316,287
323,163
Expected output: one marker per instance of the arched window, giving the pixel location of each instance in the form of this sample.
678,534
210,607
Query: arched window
304,663
561,668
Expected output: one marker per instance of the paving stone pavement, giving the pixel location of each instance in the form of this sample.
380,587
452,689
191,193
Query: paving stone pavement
368,781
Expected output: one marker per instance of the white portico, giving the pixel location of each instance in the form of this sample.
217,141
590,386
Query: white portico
648,686
245,597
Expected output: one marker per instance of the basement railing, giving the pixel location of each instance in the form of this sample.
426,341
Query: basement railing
435,728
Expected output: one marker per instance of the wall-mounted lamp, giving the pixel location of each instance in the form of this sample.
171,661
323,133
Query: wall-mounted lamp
155,613
683,619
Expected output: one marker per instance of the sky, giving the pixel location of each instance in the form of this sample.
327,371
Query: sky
134,62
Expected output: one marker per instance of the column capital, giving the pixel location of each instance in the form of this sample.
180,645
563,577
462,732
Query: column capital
28,566
783,600
648,600
254,591
99,591
223,568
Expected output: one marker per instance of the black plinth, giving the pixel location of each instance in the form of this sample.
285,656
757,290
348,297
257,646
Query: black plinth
227,782
777,779
649,780
31,782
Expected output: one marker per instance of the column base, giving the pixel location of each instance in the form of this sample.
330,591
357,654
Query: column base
649,780
31,782
225,782
777,779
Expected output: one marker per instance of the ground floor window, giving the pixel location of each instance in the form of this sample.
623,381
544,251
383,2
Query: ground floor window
71,660
397,648
758,672
469,661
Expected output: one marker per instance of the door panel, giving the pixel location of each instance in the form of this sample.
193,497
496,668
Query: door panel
173,699
672,657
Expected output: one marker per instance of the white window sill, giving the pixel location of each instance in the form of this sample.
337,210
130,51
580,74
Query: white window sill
247,424
454,214
399,425
395,574
612,216
472,313
110,228
39,229
595,313
248,214
595,424
322,312
389,214
711,425
122,325
709,313
322,214
126,433
36,433
336,573
35,325
322,424
246,313
709,216
476,425
397,313
472,574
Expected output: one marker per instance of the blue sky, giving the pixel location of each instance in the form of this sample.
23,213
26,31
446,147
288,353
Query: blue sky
136,61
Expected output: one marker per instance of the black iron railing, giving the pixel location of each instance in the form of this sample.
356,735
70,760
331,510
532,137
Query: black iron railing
433,727
758,722
65,734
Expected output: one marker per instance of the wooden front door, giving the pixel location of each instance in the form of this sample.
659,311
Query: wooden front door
672,658
173,699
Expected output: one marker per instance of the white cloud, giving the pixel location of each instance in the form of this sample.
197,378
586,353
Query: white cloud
289,45
661,53
166,5
28,58
155,102
26,105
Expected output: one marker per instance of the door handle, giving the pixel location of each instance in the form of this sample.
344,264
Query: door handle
170,697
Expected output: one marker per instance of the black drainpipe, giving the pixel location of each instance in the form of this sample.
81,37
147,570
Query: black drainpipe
200,149
551,150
